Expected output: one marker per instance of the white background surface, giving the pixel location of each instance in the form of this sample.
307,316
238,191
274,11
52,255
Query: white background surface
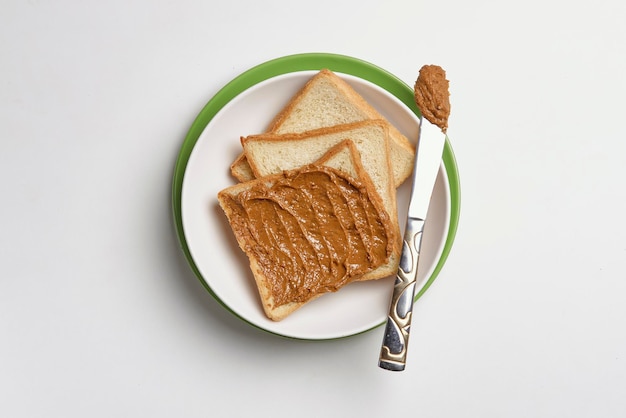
100,315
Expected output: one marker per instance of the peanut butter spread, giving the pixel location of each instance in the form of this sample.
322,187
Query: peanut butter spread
432,95
312,231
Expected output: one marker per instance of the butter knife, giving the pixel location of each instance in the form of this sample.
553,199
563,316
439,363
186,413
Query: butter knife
430,144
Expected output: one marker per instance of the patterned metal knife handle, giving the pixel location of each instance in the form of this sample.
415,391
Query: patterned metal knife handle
396,338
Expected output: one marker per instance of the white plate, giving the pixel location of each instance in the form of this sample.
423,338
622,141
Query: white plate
213,250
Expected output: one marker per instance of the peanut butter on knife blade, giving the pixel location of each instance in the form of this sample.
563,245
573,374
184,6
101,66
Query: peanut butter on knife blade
432,95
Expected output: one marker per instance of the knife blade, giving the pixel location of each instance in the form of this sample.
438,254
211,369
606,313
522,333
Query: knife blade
428,153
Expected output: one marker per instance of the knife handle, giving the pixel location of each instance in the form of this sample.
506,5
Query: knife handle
396,338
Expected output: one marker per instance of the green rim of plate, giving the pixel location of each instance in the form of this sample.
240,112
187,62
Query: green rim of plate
305,62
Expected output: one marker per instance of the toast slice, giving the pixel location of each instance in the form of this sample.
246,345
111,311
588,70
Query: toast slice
272,153
327,100
289,265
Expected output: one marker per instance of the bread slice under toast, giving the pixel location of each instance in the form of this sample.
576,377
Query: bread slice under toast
343,160
327,100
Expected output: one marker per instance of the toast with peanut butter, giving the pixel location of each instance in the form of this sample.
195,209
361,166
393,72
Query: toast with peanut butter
311,230
327,100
